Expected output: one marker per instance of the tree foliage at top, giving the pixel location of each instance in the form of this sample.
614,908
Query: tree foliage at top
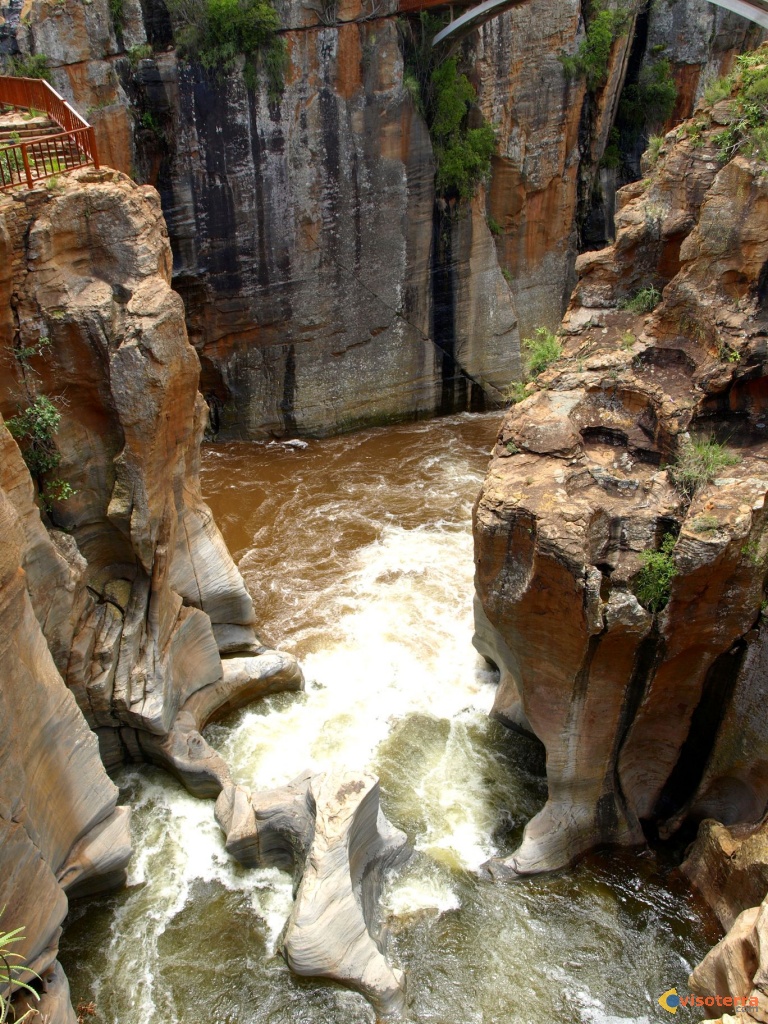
217,32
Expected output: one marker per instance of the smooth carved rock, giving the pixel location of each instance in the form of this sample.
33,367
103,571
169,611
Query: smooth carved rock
645,718
54,1006
271,828
737,967
99,860
133,592
729,866
329,831
330,932
55,790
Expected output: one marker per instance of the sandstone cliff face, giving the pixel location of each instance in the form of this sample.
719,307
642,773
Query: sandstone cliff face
323,288
157,595
648,719
305,239
119,610
57,802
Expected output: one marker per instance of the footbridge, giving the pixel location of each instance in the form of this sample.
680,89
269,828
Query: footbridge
753,10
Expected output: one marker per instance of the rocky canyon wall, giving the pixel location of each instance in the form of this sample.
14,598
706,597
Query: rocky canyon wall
650,712
324,287
123,615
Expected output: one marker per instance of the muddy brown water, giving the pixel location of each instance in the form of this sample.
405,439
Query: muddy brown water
358,553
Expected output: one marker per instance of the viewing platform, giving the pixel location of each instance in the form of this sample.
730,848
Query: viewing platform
41,135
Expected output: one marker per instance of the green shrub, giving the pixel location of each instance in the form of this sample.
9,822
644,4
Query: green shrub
653,583
444,97
217,32
493,225
699,462
33,65
543,349
463,153
628,339
653,152
515,392
591,59
612,156
117,14
650,101
748,133
12,970
644,301
55,490
34,429
718,90
139,52
704,523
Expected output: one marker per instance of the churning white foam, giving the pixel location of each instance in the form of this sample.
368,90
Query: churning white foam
403,626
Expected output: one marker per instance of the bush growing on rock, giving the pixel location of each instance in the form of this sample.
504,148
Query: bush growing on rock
34,429
699,462
748,132
644,301
654,581
543,349
463,153
591,59
444,96
217,32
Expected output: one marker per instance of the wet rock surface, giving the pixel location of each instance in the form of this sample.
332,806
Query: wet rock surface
330,831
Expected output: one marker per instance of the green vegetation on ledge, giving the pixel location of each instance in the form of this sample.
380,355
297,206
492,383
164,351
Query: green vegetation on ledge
699,462
446,98
644,301
604,26
748,132
31,65
542,350
218,32
653,583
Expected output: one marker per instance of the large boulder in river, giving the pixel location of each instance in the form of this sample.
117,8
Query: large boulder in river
328,829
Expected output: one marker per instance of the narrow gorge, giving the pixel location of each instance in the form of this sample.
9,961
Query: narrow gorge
263,758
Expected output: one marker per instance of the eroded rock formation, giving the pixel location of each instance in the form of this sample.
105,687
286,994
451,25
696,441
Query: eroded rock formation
330,831
123,610
648,719
59,825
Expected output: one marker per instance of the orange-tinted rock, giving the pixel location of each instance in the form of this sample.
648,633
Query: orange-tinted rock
646,718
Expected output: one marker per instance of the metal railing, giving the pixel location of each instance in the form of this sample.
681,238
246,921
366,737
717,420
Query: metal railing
43,157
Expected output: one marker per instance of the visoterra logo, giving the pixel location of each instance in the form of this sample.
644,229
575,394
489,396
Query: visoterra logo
671,1001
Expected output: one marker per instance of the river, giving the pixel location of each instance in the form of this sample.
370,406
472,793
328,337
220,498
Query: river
358,553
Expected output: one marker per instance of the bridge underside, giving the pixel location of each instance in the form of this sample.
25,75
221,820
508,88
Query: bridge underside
753,10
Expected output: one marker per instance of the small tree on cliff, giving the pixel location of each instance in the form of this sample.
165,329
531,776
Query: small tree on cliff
217,32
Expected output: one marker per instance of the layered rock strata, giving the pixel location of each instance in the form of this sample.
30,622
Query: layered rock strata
649,718
124,614
735,972
330,831
60,829
324,286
